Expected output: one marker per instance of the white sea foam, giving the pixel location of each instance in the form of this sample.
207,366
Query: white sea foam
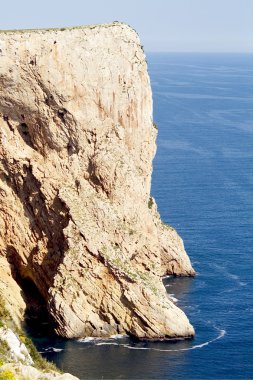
108,344
100,341
221,335
52,349
164,277
174,299
119,336
88,339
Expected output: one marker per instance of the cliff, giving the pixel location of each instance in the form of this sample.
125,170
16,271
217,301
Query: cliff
78,228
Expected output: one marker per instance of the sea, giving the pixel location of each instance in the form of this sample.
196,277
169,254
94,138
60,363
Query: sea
203,185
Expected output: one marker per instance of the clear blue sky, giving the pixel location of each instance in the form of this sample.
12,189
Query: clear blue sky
163,25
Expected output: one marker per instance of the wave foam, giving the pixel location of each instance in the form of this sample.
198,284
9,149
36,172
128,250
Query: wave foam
221,335
173,299
90,339
110,342
52,349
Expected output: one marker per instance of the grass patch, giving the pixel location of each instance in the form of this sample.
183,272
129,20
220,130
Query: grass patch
4,352
4,313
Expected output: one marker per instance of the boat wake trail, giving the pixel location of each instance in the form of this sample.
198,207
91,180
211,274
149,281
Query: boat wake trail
130,347
111,342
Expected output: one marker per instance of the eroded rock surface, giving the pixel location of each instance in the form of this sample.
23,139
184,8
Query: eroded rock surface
76,217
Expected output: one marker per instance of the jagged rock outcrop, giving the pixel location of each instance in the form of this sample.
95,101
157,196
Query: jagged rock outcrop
19,364
76,216
18,350
19,358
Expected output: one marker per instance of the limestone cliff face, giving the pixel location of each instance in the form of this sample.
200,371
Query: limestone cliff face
76,217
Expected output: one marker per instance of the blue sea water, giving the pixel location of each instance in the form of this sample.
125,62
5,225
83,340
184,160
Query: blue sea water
203,185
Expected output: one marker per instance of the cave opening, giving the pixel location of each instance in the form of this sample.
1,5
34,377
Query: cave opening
37,320
23,130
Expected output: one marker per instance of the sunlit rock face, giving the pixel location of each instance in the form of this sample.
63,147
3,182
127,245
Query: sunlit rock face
76,217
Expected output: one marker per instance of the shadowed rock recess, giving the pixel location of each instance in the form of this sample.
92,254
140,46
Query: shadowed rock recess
77,221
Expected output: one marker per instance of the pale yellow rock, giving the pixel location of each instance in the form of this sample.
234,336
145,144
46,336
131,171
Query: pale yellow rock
77,143
11,291
26,372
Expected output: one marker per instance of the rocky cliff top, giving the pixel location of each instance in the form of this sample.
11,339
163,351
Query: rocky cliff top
62,29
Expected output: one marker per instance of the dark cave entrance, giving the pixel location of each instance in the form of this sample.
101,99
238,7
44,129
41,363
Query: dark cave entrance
37,320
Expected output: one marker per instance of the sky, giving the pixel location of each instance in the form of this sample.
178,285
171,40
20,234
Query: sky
163,25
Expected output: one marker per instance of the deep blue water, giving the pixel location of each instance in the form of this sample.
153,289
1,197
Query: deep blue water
203,185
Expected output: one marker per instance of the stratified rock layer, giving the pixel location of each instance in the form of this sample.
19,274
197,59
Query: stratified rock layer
77,220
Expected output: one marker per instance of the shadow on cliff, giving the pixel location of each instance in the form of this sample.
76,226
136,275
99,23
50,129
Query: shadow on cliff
37,318
47,220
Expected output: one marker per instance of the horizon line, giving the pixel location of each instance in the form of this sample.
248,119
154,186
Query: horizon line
196,52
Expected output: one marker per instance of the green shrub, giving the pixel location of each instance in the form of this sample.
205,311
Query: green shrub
150,202
4,314
4,348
